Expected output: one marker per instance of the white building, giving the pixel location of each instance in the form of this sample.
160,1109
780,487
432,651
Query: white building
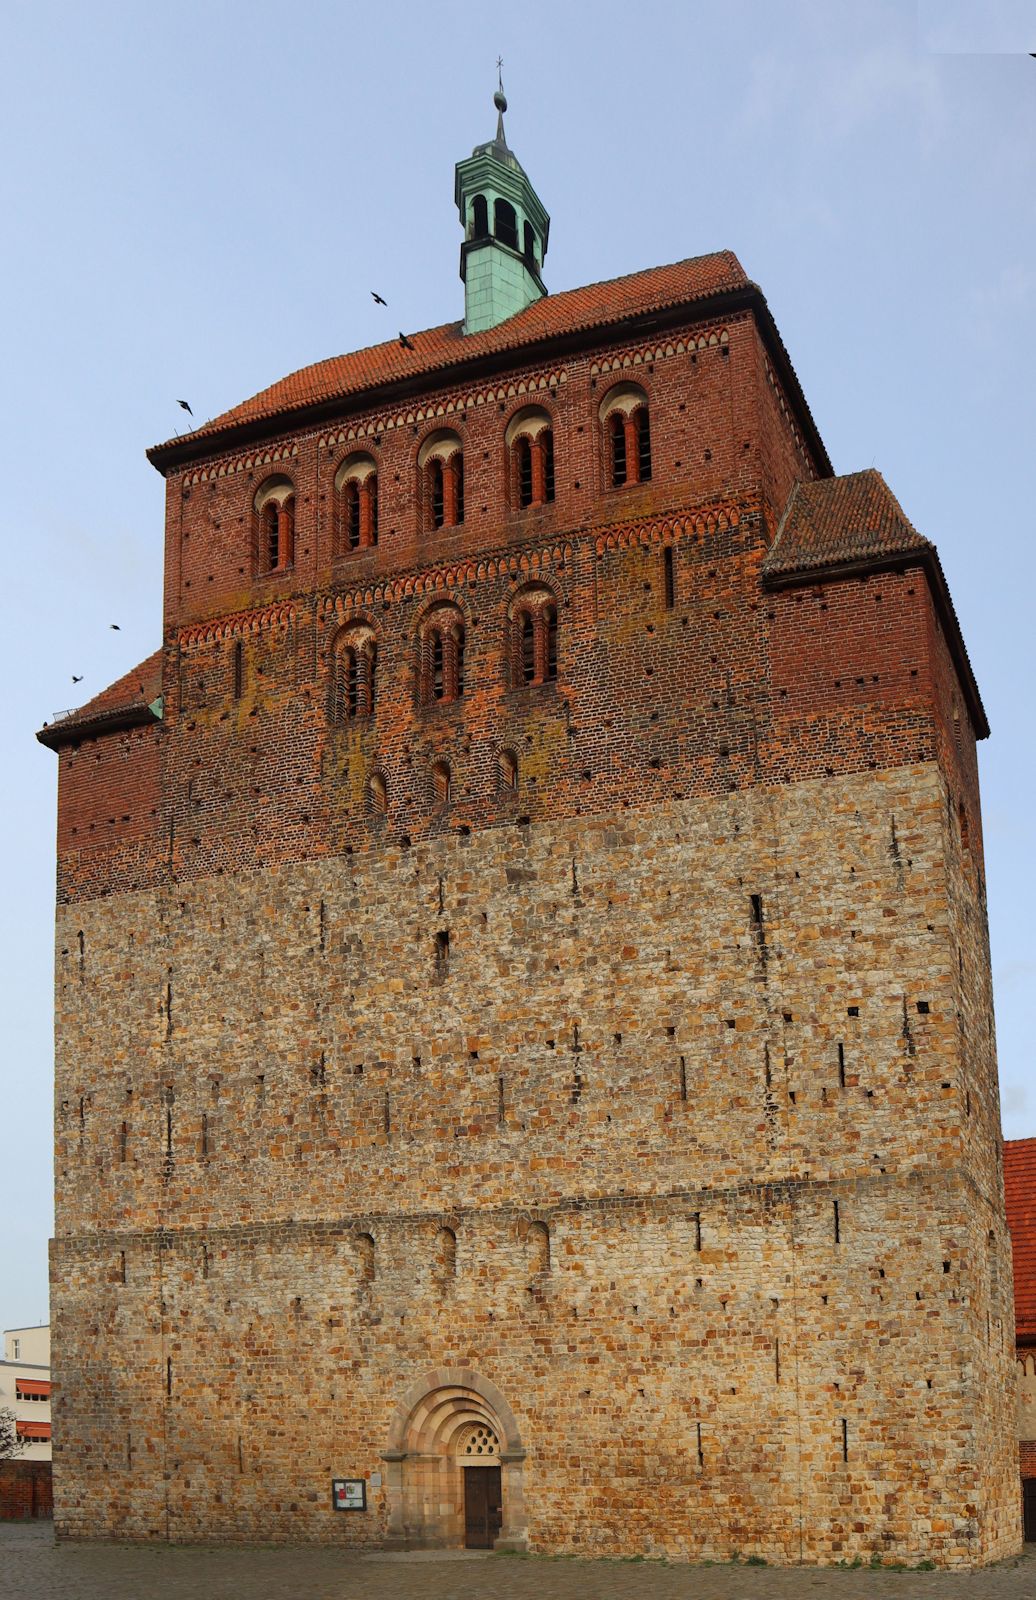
25,1387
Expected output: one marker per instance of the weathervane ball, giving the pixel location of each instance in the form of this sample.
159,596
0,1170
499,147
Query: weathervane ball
500,100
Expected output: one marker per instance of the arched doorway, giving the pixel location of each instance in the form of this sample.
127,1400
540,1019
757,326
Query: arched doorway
454,1466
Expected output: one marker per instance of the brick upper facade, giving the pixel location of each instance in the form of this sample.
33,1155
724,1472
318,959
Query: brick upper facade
726,499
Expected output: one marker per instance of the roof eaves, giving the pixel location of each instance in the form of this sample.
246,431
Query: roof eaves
789,377
744,295
73,727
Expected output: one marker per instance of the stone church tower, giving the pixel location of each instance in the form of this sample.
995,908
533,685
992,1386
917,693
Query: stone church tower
524,1034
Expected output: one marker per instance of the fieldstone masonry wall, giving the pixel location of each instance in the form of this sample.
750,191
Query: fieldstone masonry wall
720,1051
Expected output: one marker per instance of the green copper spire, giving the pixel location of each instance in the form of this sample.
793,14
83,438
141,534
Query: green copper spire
505,231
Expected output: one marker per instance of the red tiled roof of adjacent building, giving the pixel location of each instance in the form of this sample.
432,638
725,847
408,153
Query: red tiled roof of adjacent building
835,521
573,310
1020,1195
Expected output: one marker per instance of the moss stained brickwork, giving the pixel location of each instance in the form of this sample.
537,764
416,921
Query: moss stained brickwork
595,1050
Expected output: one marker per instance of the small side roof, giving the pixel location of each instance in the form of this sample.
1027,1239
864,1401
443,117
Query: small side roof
1020,1195
851,525
853,518
131,701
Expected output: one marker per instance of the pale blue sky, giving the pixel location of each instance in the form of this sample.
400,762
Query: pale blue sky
198,197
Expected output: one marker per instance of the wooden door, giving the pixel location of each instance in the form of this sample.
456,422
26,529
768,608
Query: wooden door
483,1501
1029,1508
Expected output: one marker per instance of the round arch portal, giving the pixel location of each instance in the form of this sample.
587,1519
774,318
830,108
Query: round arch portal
426,1458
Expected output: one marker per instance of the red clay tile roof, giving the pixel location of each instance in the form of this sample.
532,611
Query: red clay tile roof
132,693
839,520
1020,1193
571,311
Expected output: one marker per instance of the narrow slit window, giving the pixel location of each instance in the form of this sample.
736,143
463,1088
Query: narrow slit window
352,515
528,649
617,431
436,492
539,1242
371,486
438,666
524,471
547,445
442,782
446,1252
669,577
239,669
365,1257
457,465
642,424
352,679
458,654
270,534
370,662
550,623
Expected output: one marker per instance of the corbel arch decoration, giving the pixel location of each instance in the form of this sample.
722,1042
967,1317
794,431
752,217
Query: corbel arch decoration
529,439
273,509
356,503
626,435
440,466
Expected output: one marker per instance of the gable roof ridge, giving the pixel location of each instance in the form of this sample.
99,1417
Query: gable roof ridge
580,309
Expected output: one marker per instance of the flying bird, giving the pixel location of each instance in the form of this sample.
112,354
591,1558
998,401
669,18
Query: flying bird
115,625
405,342
185,407
378,301
77,680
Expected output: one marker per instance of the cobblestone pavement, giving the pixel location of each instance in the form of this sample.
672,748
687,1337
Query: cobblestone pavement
32,1567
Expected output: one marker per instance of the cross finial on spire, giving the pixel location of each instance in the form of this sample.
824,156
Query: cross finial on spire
500,101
